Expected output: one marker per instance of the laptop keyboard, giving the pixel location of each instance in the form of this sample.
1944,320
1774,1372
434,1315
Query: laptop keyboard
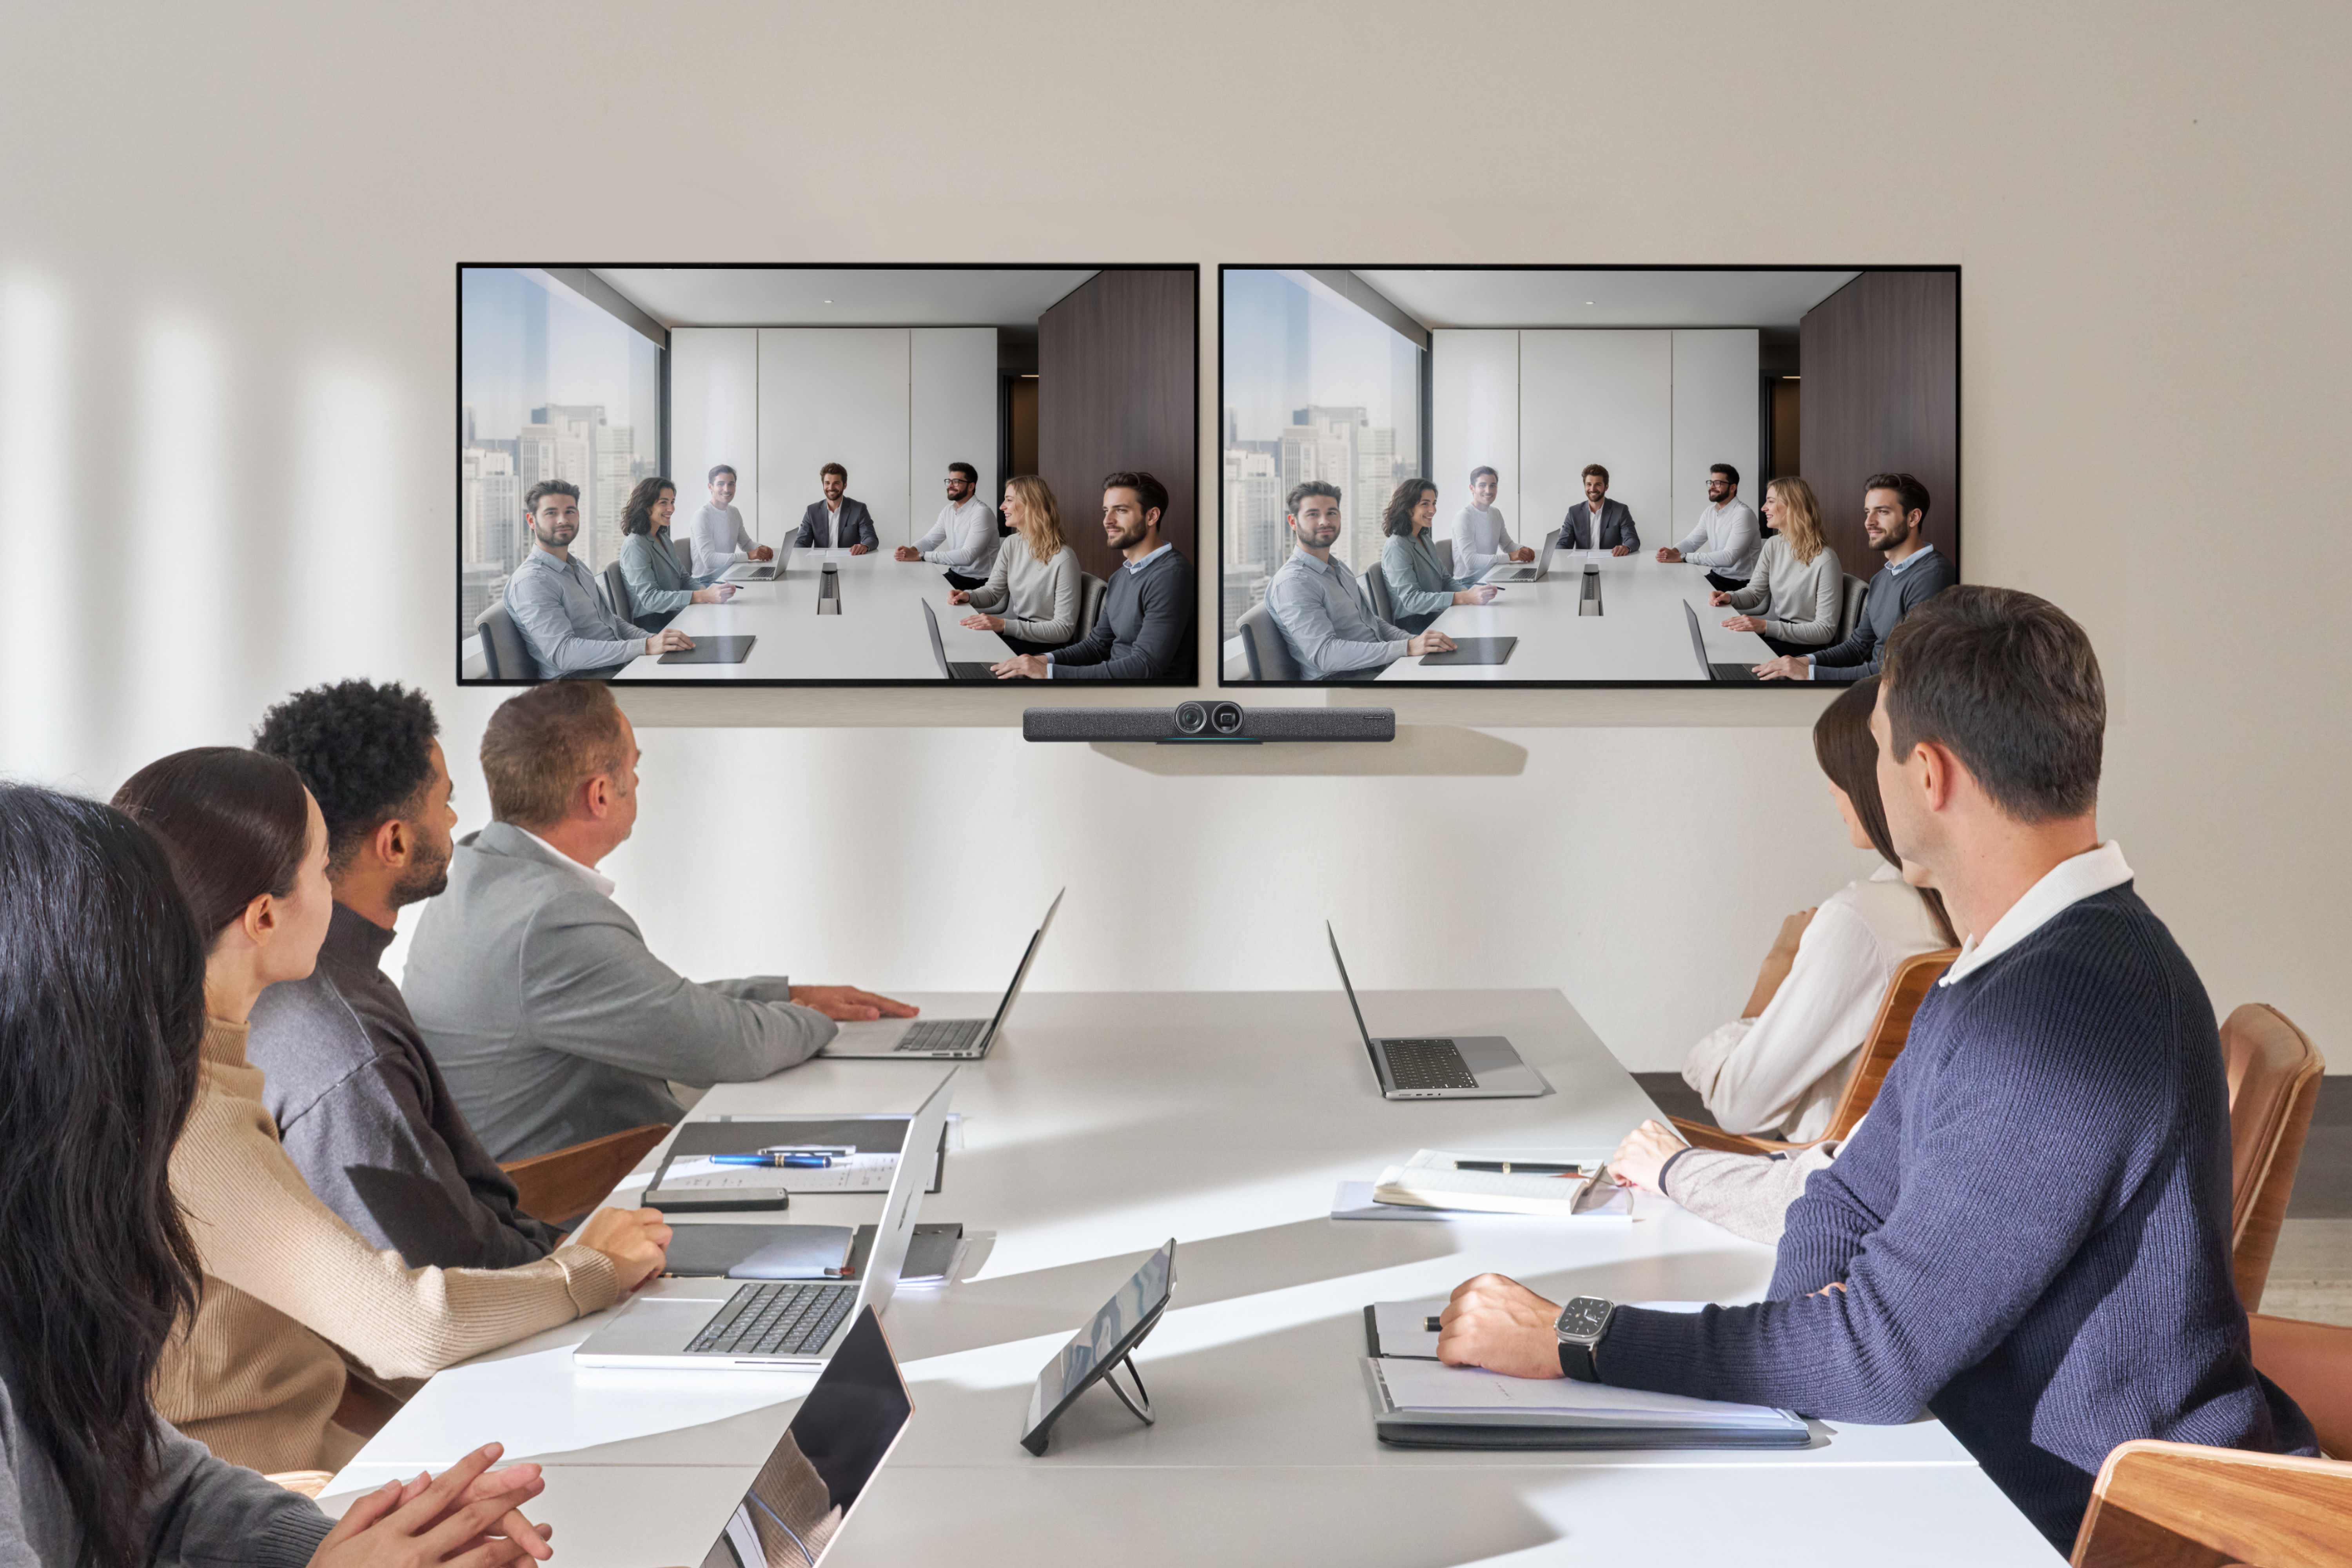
788,1318
941,1035
1428,1064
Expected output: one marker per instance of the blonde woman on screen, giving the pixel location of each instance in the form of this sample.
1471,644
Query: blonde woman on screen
1793,597
1031,597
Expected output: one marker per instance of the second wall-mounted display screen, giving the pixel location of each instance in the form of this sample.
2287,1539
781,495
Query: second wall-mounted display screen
1578,475
827,476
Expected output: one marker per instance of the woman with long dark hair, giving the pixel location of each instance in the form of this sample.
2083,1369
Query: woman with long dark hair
1419,590
102,979
255,1375
659,587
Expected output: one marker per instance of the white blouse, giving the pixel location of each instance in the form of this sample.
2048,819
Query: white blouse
1781,1073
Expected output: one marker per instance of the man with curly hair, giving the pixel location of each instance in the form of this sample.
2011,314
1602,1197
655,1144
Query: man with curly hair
359,1101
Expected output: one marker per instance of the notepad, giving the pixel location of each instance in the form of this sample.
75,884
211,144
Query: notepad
1428,1388
1428,1181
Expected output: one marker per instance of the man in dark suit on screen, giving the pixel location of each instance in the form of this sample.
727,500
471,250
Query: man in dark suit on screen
1600,523
837,522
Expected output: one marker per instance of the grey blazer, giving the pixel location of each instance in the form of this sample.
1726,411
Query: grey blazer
1616,528
856,527
552,1021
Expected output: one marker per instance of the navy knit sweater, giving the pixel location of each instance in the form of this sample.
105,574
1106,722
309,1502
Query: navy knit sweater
2033,1233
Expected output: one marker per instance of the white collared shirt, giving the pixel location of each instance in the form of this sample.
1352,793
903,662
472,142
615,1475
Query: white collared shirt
2068,883
1140,565
594,878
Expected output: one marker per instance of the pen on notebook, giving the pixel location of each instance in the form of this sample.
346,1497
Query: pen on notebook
796,1162
1519,1167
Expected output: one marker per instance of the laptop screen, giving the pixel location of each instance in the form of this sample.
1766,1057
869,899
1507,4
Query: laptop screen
1351,990
1698,641
1028,956
838,1439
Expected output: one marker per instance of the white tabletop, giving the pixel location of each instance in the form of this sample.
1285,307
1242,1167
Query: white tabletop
1100,1126
1640,635
877,636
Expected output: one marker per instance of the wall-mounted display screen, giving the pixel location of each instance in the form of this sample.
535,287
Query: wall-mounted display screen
828,475
1582,476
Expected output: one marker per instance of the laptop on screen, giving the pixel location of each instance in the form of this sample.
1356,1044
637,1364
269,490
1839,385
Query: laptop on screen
769,570
1710,670
1520,572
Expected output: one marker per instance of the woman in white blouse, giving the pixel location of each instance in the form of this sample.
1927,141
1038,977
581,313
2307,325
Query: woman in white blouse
1780,1069
1793,597
1031,597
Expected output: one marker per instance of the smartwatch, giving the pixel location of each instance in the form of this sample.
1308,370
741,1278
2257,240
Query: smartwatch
1581,1325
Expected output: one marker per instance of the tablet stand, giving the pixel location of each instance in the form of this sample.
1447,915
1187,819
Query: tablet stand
1142,1412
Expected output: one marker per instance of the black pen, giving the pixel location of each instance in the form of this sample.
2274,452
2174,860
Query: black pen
1519,1167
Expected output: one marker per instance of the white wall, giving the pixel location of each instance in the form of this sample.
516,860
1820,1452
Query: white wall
1474,397
1597,397
950,416
1716,395
714,408
226,321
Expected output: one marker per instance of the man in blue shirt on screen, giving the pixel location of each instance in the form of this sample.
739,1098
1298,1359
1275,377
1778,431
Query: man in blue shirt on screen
554,602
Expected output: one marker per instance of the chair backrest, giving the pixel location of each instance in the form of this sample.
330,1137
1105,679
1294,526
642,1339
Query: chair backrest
561,1186
1376,588
1849,606
505,654
2156,1505
2313,1361
1091,590
617,592
1913,977
682,551
1444,549
1262,646
2274,1071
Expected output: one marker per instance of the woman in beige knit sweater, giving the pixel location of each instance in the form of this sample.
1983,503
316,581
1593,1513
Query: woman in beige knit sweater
256,1376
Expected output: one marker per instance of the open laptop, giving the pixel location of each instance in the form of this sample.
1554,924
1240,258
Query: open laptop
1475,1067
1520,572
802,1499
957,1040
954,668
1708,671
787,1324
768,570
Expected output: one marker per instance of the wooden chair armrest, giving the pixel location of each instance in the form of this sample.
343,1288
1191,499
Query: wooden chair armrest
562,1185
2159,1504
1699,1135
2313,1363
309,1483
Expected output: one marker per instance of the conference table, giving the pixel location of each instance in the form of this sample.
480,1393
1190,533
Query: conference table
1639,632
1100,1126
877,634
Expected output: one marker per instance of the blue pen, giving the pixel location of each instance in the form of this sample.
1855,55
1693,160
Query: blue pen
797,1162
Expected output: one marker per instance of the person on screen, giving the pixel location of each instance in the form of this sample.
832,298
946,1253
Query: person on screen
1319,608
1600,523
535,991
1793,597
2031,1237
1144,631
1894,512
718,537
657,589
963,538
1419,589
1033,593
554,602
839,521
1726,538
1480,540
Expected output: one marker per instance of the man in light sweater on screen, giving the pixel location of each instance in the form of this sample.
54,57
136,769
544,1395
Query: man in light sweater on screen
718,535
553,1021
963,539
2030,1238
1481,540
1727,538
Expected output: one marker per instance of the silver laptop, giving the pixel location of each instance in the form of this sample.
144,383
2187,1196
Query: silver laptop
1474,1067
768,570
956,1039
789,1324
801,1500
1516,572
954,670
1708,669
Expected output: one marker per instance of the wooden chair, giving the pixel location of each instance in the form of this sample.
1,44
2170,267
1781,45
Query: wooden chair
2176,1505
2274,1072
1910,987
309,1483
2313,1361
563,1186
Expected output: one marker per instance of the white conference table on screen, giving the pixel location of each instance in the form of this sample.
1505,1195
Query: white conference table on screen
877,636
1101,1125
1640,635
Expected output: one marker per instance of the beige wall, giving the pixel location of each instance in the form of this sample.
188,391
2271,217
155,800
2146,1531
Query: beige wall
226,340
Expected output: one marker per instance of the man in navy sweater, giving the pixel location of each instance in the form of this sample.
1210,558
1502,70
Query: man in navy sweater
2031,1237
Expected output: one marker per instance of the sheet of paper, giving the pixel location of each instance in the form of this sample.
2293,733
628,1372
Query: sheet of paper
1431,1385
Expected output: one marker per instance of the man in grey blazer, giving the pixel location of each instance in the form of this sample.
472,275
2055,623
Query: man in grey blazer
1600,520
837,523
551,1020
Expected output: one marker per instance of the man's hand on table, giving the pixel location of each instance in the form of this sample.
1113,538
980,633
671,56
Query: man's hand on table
1500,1324
848,1005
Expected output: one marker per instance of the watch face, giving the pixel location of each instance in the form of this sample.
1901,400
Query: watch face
1583,1317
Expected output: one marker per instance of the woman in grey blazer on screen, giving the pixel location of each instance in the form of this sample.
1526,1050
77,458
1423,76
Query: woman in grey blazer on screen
1419,590
1031,597
1792,598
658,590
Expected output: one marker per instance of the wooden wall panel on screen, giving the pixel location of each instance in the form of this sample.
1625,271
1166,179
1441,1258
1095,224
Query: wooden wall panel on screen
1116,388
1880,362
1474,422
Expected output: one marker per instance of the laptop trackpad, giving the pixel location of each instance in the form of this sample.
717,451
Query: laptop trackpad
654,1325
1486,1053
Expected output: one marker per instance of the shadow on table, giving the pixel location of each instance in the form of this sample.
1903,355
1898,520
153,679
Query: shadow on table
1419,751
